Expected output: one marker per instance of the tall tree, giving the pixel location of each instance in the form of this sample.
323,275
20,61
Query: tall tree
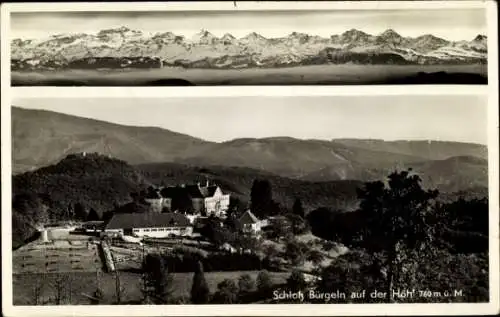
200,292
296,252
264,283
38,285
227,292
80,211
234,205
182,201
296,281
246,284
299,225
315,256
261,198
395,217
158,282
60,284
297,208
93,215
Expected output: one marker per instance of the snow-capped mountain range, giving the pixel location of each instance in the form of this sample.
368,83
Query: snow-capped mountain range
126,48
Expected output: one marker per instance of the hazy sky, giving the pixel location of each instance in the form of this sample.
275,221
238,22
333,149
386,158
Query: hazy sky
452,24
447,118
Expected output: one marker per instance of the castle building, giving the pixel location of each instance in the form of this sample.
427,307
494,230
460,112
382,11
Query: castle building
204,200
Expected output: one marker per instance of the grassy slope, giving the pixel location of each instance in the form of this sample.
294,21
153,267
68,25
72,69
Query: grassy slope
43,137
85,282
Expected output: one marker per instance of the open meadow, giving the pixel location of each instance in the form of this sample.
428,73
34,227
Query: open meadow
80,283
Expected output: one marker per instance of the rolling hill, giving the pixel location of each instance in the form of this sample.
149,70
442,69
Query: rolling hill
41,138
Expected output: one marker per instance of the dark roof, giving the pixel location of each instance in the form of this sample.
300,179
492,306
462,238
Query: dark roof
147,220
208,191
170,192
192,191
247,218
153,195
133,207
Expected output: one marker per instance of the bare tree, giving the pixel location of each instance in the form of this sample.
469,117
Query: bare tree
39,283
119,289
60,285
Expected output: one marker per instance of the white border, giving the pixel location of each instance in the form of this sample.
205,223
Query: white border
145,92
246,6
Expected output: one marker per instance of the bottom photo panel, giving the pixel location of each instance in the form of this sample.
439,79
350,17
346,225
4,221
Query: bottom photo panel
250,200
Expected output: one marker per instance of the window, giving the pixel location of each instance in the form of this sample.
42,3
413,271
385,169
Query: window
146,230
136,230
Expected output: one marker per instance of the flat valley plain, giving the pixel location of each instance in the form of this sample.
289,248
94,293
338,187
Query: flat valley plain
344,74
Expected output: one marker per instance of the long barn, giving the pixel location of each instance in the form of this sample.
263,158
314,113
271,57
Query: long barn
157,225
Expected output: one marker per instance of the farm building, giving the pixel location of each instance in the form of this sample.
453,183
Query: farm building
156,225
249,223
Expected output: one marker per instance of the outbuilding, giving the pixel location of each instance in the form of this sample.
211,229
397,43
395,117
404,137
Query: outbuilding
155,225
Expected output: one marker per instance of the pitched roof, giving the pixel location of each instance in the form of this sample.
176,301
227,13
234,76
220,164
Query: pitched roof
147,220
208,191
247,218
171,192
193,191
153,195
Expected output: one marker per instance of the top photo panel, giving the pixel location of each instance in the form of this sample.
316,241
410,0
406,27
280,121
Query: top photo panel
247,47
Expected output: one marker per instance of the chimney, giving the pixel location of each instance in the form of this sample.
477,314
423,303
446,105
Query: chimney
207,183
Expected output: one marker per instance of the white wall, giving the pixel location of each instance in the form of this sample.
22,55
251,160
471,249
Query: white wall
219,197
254,227
114,232
156,204
162,232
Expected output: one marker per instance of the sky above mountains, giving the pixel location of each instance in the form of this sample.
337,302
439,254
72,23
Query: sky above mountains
451,24
461,118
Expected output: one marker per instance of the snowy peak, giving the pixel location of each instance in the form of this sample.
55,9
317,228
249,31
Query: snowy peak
480,38
168,38
428,42
205,50
354,35
254,36
429,38
298,35
390,37
390,33
228,39
204,37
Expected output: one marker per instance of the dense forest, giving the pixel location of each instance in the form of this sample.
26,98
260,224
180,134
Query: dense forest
96,184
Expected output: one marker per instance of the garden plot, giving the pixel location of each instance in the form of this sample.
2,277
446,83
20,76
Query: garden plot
59,256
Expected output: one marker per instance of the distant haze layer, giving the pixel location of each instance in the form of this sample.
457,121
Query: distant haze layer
448,118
